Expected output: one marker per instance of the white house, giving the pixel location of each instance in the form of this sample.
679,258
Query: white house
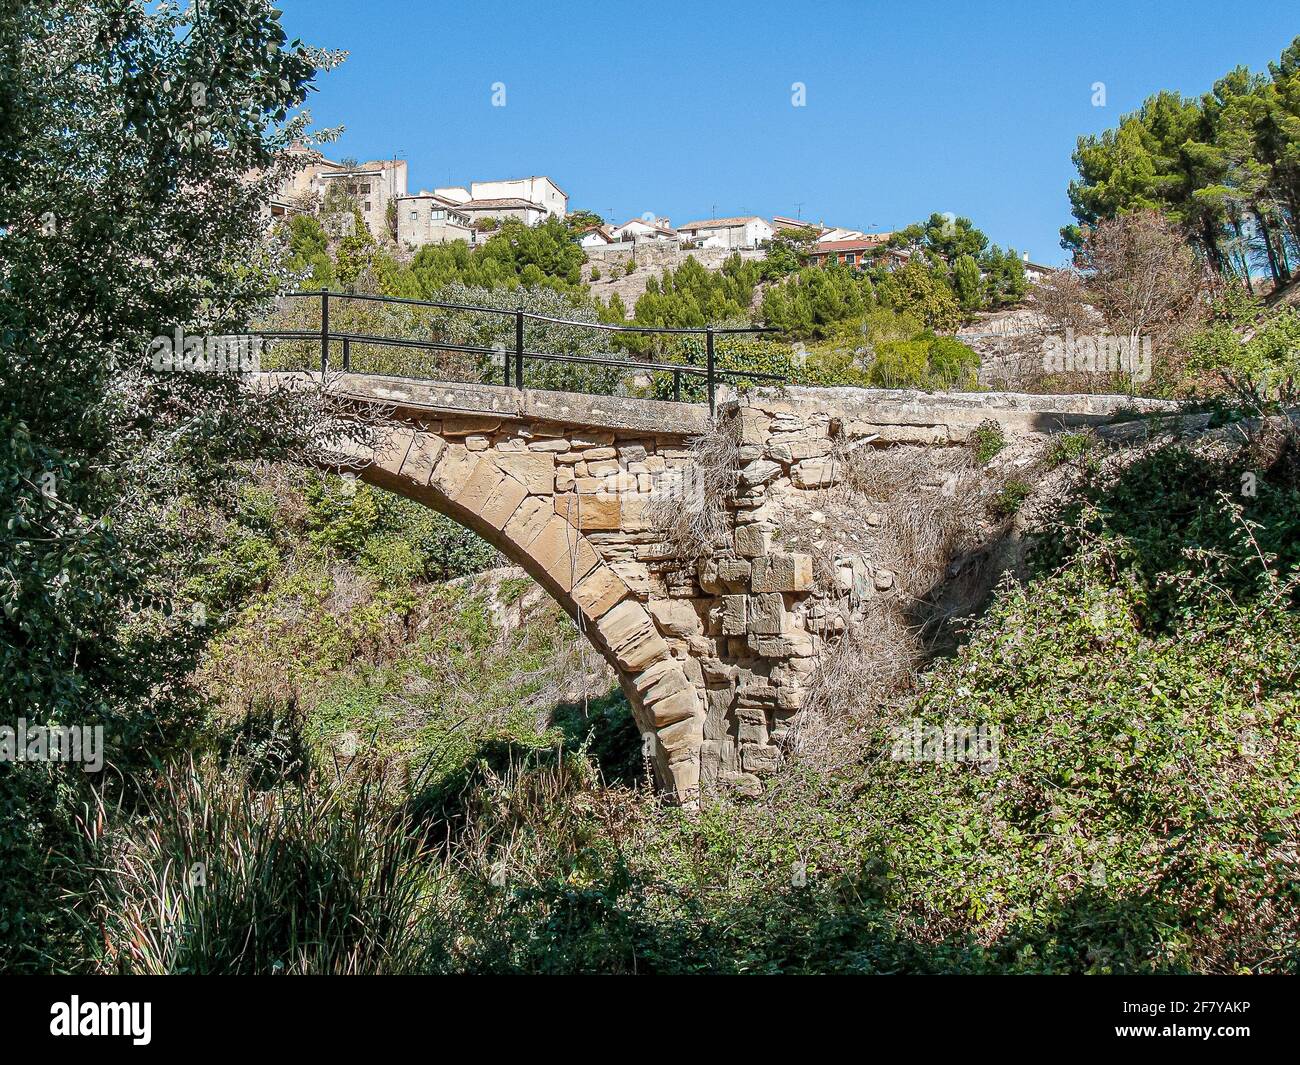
643,229
1034,272
539,192
597,237
742,232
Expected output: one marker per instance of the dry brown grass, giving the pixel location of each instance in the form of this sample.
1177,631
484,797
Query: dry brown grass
928,502
689,509
866,668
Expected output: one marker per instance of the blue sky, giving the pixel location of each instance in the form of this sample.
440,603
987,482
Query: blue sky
685,109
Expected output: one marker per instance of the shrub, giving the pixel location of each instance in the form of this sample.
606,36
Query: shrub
987,440
1010,497
1069,447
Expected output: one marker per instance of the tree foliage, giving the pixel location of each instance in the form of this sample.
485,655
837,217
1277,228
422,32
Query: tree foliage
1224,166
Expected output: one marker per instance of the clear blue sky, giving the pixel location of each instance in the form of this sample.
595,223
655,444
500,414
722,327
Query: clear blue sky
675,107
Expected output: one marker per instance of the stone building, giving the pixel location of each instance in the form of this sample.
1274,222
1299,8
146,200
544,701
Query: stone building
427,218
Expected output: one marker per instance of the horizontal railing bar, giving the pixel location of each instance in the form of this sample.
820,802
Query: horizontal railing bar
585,360
607,327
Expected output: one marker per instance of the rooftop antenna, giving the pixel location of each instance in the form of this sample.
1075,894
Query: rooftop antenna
713,211
798,211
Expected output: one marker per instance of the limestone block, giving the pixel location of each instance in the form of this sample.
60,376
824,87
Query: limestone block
661,680
685,774
753,540
603,468
501,507
733,615
528,521
746,785
766,614
422,457
589,511
635,516
632,452
392,452
717,672
463,425
535,471
755,696
884,580
597,592
814,473
480,486
790,698
630,635
679,706
682,740
556,444
717,712
799,448
619,481
753,426
676,617
709,579
596,454
749,732
565,555
734,570
709,758
591,438
571,567
758,472
783,573
564,479
760,760
477,442
701,647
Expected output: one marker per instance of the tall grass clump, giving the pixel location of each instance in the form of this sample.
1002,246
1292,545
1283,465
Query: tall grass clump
215,875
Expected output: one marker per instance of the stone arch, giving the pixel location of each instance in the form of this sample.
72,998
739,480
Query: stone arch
501,483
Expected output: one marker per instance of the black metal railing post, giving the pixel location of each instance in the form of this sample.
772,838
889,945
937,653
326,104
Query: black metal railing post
347,355
713,403
677,386
324,331
519,349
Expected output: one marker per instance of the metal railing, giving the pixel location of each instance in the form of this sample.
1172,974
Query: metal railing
513,360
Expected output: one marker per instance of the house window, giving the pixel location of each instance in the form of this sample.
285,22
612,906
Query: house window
415,216
367,207
850,258
437,216
365,189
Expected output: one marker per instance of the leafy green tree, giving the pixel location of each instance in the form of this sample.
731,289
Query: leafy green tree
126,211
919,291
967,283
942,236
1004,277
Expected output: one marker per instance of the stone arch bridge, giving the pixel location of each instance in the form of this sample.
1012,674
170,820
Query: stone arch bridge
713,656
